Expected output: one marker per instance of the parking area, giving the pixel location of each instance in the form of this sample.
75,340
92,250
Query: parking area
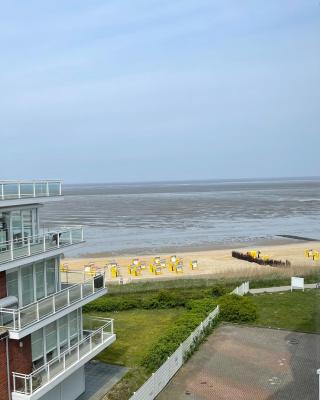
249,363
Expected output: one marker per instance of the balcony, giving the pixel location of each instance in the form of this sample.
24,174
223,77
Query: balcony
26,191
49,242
40,381
25,320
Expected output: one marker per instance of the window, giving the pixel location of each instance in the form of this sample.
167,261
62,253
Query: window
37,345
51,339
12,284
63,330
27,292
51,276
40,283
16,226
73,323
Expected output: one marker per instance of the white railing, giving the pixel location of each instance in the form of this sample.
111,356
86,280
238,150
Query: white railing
21,318
158,380
153,386
23,189
28,384
31,245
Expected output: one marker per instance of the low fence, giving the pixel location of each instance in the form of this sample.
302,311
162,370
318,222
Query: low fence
153,386
242,289
158,380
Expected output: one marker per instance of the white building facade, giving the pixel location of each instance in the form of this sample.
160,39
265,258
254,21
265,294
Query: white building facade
43,343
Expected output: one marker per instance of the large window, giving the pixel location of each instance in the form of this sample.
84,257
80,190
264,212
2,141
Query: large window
51,340
51,276
39,269
67,330
12,284
27,287
33,282
37,344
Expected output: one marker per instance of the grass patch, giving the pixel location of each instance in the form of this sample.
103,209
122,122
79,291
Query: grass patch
298,311
136,331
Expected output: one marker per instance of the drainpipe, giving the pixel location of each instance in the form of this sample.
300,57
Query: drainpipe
8,368
4,335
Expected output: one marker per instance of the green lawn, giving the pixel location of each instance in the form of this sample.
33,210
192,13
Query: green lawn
136,331
299,311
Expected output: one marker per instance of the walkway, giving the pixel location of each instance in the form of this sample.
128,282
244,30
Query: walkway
280,289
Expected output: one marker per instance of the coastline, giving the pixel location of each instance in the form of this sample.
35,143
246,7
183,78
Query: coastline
157,250
213,262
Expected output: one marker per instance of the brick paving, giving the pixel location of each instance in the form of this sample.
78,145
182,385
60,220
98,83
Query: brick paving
248,363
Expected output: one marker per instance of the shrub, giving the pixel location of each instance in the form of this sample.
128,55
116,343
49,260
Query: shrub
234,308
170,341
218,290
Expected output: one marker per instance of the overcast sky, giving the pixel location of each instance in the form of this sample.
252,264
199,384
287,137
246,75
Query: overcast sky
123,90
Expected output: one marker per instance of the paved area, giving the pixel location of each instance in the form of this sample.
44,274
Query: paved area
280,288
248,363
100,378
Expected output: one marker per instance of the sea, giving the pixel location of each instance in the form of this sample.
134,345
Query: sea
155,217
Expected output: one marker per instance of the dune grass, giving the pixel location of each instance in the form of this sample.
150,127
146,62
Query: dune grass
297,311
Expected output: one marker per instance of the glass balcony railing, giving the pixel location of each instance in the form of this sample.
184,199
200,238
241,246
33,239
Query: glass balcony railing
26,247
10,190
93,341
21,318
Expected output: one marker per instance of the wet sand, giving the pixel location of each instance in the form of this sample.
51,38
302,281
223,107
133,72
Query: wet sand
217,262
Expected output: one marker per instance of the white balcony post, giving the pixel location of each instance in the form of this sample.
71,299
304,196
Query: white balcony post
90,341
38,314
318,372
58,240
112,326
53,304
47,188
60,192
64,361
14,320
19,191
78,350
93,285
11,249
44,242
34,189
19,320
81,234
29,247
81,290
14,382
25,385
48,372
68,297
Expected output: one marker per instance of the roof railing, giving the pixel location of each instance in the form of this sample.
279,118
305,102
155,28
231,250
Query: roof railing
10,190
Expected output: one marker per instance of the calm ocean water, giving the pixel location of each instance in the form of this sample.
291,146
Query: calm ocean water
129,218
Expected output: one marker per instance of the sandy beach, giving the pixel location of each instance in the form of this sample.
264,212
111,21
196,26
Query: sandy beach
218,263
